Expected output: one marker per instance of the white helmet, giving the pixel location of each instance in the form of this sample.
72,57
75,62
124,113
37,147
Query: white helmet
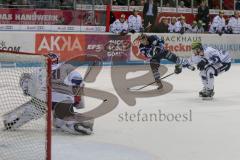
73,79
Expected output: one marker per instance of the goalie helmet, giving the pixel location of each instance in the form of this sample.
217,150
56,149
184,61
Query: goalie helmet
74,79
54,57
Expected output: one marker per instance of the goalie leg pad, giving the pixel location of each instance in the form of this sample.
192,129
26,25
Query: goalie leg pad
21,116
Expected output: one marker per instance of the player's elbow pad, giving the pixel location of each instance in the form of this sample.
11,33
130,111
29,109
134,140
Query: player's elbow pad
215,59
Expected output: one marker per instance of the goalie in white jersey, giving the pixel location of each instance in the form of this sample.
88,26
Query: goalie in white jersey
211,62
67,91
67,87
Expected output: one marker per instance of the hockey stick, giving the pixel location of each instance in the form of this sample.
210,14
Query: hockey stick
137,89
85,76
89,70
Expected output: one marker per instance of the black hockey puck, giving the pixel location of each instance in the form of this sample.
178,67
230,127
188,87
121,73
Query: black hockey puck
105,100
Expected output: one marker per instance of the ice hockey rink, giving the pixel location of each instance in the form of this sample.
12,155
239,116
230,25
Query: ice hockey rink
211,134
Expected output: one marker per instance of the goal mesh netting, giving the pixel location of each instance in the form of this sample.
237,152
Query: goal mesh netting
31,141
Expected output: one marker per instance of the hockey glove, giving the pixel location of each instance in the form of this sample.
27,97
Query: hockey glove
24,82
192,68
178,69
201,65
123,33
132,31
182,30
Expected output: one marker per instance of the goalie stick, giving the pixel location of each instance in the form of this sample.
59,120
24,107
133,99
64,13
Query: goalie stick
86,75
137,89
89,70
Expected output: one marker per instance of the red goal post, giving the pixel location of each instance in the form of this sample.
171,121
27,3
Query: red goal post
33,139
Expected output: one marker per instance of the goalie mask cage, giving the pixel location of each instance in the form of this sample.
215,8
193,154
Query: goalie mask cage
32,141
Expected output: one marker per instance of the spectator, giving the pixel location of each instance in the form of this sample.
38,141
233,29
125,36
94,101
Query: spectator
66,4
158,3
162,27
24,3
169,3
82,2
203,14
142,2
187,3
233,25
114,2
194,27
201,25
218,23
88,18
133,3
181,4
181,26
99,2
135,22
10,3
238,5
122,2
149,13
119,26
60,21
106,2
89,2
112,17
172,24
197,27
166,5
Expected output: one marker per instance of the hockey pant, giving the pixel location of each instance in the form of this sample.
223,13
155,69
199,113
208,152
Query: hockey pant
63,111
207,75
155,61
31,110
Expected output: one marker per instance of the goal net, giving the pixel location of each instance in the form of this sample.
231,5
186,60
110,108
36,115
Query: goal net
32,140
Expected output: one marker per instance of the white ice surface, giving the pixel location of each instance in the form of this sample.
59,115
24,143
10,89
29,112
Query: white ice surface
213,133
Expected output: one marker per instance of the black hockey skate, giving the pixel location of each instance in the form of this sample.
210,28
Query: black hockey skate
207,94
159,84
201,93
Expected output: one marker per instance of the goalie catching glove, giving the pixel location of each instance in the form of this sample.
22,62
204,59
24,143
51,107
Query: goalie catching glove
24,82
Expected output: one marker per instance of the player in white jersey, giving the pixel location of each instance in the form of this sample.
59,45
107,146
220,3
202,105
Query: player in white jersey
234,23
211,62
67,87
135,22
218,24
181,26
120,26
